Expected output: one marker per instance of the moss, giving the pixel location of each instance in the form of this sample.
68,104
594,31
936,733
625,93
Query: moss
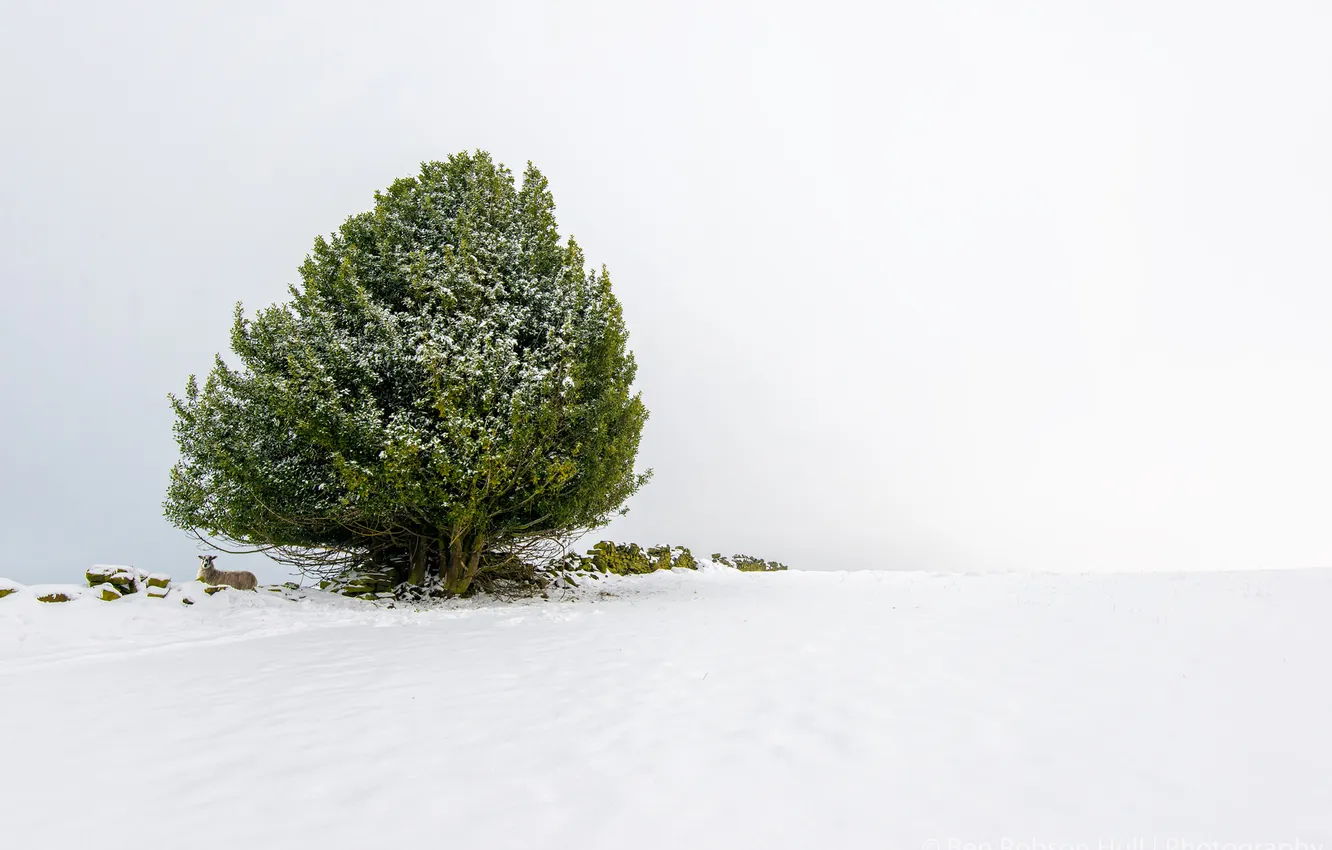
620,559
5,591
361,589
100,575
684,560
610,558
749,564
54,597
357,583
122,579
215,588
659,557
107,592
159,581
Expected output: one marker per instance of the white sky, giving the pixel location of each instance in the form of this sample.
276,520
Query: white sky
947,285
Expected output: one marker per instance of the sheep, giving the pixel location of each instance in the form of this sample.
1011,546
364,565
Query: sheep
208,574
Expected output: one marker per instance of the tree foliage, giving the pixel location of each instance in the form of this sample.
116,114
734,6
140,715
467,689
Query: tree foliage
448,386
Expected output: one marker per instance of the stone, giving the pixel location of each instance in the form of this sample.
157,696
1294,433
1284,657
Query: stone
159,580
682,558
215,588
107,592
99,573
124,579
54,597
750,564
158,592
659,557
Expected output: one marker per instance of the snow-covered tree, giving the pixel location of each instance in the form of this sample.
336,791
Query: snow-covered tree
447,386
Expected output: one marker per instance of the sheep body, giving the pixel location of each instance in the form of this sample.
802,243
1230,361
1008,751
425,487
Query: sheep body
208,574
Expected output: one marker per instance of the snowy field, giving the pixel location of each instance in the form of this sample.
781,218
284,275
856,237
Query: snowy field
681,709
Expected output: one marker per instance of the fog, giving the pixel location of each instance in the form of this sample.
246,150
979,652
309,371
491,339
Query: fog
943,286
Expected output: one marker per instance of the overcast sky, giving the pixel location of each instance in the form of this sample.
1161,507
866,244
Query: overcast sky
945,285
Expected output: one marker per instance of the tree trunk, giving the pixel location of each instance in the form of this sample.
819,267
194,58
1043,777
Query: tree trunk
420,549
454,566
463,563
474,560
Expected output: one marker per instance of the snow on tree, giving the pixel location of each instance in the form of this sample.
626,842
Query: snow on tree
448,387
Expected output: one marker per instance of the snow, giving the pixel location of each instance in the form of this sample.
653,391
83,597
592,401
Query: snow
33,591
681,709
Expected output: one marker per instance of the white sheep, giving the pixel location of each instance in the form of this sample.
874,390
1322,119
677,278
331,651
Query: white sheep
208,574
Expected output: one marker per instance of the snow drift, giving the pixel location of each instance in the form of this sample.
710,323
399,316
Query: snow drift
680,709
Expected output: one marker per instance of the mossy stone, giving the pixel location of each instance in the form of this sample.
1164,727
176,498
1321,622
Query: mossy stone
608,557
54,597
107,592
159,581
121,578
749,564
684,560
216,588
621,559
5,591
659,557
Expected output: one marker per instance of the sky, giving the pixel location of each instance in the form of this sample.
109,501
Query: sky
957,286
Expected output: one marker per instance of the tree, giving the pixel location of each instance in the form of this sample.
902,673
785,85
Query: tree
447,387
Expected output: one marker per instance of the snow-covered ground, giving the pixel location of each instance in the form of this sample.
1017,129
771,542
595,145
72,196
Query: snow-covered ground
681,709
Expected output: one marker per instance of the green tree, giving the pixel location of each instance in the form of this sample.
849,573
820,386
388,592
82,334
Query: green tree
448,386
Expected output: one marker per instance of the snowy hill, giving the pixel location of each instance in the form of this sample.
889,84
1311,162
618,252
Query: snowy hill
680,709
